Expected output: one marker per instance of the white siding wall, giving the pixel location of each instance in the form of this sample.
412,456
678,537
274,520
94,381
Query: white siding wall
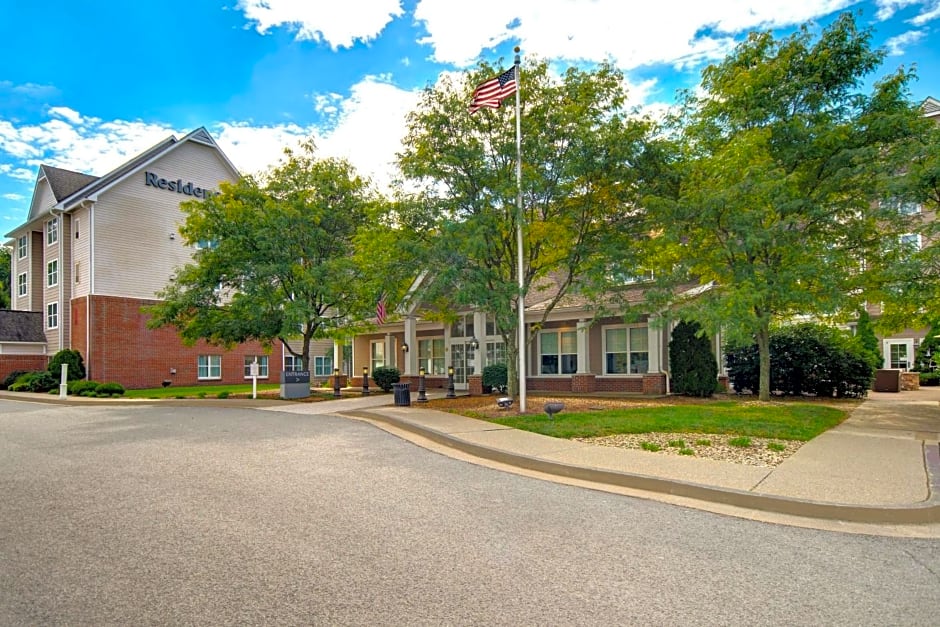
134,253
81,247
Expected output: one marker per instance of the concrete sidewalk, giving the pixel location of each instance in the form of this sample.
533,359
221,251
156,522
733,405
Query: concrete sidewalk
882,465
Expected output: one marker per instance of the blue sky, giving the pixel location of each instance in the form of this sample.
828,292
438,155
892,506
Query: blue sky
86,86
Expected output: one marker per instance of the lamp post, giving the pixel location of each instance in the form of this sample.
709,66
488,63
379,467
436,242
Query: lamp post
422,393
336,393
365,380
450,382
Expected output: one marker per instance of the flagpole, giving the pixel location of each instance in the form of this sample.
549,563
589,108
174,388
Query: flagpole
519,218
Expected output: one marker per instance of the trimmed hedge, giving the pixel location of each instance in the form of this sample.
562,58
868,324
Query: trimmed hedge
109,389
496,377
39,381
75,364
385,377
692,364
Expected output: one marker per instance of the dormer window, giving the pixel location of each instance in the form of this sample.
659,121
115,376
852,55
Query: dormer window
52,231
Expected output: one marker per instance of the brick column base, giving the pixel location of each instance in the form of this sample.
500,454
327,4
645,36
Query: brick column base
475,382
583,383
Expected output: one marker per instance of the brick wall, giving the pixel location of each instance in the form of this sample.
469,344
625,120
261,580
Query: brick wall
124,350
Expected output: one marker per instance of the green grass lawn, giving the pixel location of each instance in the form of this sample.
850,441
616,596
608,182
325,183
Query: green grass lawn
200,391
785,421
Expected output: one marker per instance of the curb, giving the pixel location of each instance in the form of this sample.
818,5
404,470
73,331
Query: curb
927,511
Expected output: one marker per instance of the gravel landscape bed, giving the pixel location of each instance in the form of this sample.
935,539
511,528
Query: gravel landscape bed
718,448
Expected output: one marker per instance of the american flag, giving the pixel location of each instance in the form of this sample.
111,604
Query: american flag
380,310
490,93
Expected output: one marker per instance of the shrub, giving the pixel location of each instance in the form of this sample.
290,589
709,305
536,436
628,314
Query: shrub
692,363
930,378
222,394
385,377
40,381
109,389
496,376
75,363
865,336
806,359
924,358
11,378
82,387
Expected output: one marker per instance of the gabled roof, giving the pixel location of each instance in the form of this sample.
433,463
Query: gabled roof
21,326
64,183
931,107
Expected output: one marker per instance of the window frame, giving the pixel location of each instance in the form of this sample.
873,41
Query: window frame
564,364
629,353
22,247
428,357
296,363
52,231
52,272
209,367
375,359
322,365
22,285
263,371
52,315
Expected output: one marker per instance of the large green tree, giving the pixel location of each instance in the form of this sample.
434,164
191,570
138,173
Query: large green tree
275,258
577,188
778,165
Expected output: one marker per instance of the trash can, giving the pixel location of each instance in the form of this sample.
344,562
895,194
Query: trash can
402,393
887,380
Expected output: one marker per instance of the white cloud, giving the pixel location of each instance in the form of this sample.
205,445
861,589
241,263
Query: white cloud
887,8
896,45
339,24
630,34
253,149
70,115
930,12
16,197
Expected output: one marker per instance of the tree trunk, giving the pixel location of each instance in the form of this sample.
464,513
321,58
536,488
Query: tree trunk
763,352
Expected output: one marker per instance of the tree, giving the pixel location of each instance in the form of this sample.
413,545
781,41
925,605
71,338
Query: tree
4,277
779,165
867,339
578,140
692,364
274,259
928,353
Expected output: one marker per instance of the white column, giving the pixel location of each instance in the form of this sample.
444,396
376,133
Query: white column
338,354
654,336
584,347
411,338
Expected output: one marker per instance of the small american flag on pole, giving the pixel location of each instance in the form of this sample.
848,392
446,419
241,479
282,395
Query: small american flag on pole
380,310
490,93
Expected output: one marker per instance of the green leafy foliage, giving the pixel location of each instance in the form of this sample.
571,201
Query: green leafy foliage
775,170
11,378
109,388
76,365
5,277
867,339
926,358
82,387
496,377
577,196
385,377
692,364
40,381
805,359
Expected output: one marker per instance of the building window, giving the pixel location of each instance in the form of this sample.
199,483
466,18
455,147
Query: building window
323,365
52,231
262,365
210,367
431,356
910,242
52,273
626,350
293,363
22,247
52,316
495,353
21,284
899,355
377,354
558,352
462,326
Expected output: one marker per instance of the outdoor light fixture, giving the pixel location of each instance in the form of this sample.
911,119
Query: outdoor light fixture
404,347
422,391
365,380
474,343
450,382
336,382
